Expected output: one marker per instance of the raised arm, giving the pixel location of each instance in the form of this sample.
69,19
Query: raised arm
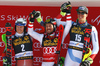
65,10
31,32
67,26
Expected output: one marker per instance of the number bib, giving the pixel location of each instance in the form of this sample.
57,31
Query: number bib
22,44
77,33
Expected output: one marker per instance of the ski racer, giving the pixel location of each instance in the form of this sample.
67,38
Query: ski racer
22,45
81,34
49,39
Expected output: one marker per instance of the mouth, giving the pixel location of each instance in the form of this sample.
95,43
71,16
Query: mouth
48,30
80,17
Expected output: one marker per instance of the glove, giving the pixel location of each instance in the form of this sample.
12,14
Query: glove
61,62
39,19
63,13
66,7
34,15
87,62
5,61
90,60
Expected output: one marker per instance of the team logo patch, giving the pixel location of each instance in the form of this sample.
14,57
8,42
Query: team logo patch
81,8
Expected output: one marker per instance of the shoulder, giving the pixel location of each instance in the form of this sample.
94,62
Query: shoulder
26,34
12,36
74,23
94,28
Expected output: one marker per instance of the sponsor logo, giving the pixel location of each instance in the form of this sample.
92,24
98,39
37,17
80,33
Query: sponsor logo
2,30
37,45
49,50
65,46
0,58
2,44
13,59
90,46
38,59
77,44
12,17
97,19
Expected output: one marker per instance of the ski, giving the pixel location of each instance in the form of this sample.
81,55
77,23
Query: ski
57,57
9,43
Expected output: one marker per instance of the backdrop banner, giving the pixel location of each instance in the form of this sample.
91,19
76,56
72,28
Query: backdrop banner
11,13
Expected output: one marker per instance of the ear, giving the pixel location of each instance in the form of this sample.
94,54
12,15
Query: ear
86,15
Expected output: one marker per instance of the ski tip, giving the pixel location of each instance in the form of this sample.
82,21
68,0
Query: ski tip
8,24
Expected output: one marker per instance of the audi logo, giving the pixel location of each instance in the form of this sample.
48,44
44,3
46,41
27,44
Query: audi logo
0,58
37,59
2,44
49,50
90,46
2,30
65,46
37,45
13,58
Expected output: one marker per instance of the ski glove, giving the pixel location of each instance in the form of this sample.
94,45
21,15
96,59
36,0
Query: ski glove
87,62
5,61
33,15
63,13
66,7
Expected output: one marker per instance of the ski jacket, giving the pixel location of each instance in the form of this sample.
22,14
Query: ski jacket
78,37
49,50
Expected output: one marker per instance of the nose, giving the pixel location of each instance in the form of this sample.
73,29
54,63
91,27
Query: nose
48,27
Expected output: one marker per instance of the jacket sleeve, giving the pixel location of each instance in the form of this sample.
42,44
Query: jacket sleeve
67,26
95,42
34,34
58,20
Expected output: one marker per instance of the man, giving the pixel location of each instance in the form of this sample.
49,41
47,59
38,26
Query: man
22,45
80,34
49,39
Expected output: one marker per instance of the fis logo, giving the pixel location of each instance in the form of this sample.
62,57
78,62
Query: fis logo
97,19
77,44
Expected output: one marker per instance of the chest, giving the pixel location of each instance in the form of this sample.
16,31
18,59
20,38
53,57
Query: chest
78,33
50,40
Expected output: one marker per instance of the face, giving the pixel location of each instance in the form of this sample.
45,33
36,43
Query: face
49,28
20,29
82,16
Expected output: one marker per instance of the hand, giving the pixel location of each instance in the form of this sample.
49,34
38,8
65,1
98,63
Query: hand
85,63
34,15
5,61
66,7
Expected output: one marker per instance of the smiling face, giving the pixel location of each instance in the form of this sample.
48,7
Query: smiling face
49,28
19,29
82,16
